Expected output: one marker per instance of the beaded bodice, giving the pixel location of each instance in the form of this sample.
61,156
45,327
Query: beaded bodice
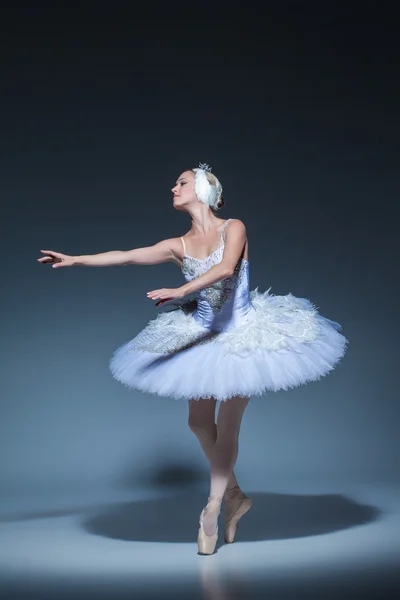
222,303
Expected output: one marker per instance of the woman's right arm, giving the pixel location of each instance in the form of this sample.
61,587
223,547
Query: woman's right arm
164,251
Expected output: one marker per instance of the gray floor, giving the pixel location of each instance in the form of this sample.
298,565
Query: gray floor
304,540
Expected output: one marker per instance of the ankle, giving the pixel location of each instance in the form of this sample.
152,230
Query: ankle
214,500
233,490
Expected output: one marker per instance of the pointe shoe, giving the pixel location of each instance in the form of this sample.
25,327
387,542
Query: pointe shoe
206,543
237,504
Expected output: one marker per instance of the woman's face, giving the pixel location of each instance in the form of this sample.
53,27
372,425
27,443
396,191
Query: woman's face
184,189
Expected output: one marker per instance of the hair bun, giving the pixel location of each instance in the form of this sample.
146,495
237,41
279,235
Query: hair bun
220,202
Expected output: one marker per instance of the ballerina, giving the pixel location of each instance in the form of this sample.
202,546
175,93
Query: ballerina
226,346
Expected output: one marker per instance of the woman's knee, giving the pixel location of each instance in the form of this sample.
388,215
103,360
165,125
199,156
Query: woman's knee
201,426
202,416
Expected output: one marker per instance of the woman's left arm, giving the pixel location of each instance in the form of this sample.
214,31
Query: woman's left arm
235,240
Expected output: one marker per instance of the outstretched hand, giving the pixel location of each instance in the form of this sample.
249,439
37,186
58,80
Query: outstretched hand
165,295
56,259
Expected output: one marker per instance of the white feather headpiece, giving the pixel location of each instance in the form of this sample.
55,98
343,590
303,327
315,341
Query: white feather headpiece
205,192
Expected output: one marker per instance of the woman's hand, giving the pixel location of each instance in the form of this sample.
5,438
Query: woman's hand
56,259
165,295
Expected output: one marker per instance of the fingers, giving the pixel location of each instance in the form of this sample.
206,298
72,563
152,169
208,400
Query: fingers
163,296
158,294
50,256
54,257
154,294
44,259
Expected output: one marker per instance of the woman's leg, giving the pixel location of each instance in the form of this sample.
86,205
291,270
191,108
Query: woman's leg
225,452
202,423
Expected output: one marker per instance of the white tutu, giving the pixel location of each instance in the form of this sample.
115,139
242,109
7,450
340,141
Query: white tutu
285,344
229,342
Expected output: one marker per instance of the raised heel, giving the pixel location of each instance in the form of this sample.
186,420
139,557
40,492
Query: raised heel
237,508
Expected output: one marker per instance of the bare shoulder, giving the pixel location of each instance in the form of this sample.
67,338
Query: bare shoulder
236,223
236,226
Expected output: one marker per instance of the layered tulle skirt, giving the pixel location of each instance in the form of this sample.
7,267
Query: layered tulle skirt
282,343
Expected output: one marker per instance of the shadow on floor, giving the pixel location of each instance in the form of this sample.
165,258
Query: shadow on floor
272,517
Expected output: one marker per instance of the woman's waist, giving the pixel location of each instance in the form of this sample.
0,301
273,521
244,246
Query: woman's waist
229,315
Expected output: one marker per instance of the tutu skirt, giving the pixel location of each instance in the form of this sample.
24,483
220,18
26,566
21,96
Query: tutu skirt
282,343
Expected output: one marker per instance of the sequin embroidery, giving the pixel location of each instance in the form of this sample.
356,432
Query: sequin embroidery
221,291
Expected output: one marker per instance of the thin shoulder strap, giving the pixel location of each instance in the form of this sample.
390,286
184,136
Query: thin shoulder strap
224,226
184,246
